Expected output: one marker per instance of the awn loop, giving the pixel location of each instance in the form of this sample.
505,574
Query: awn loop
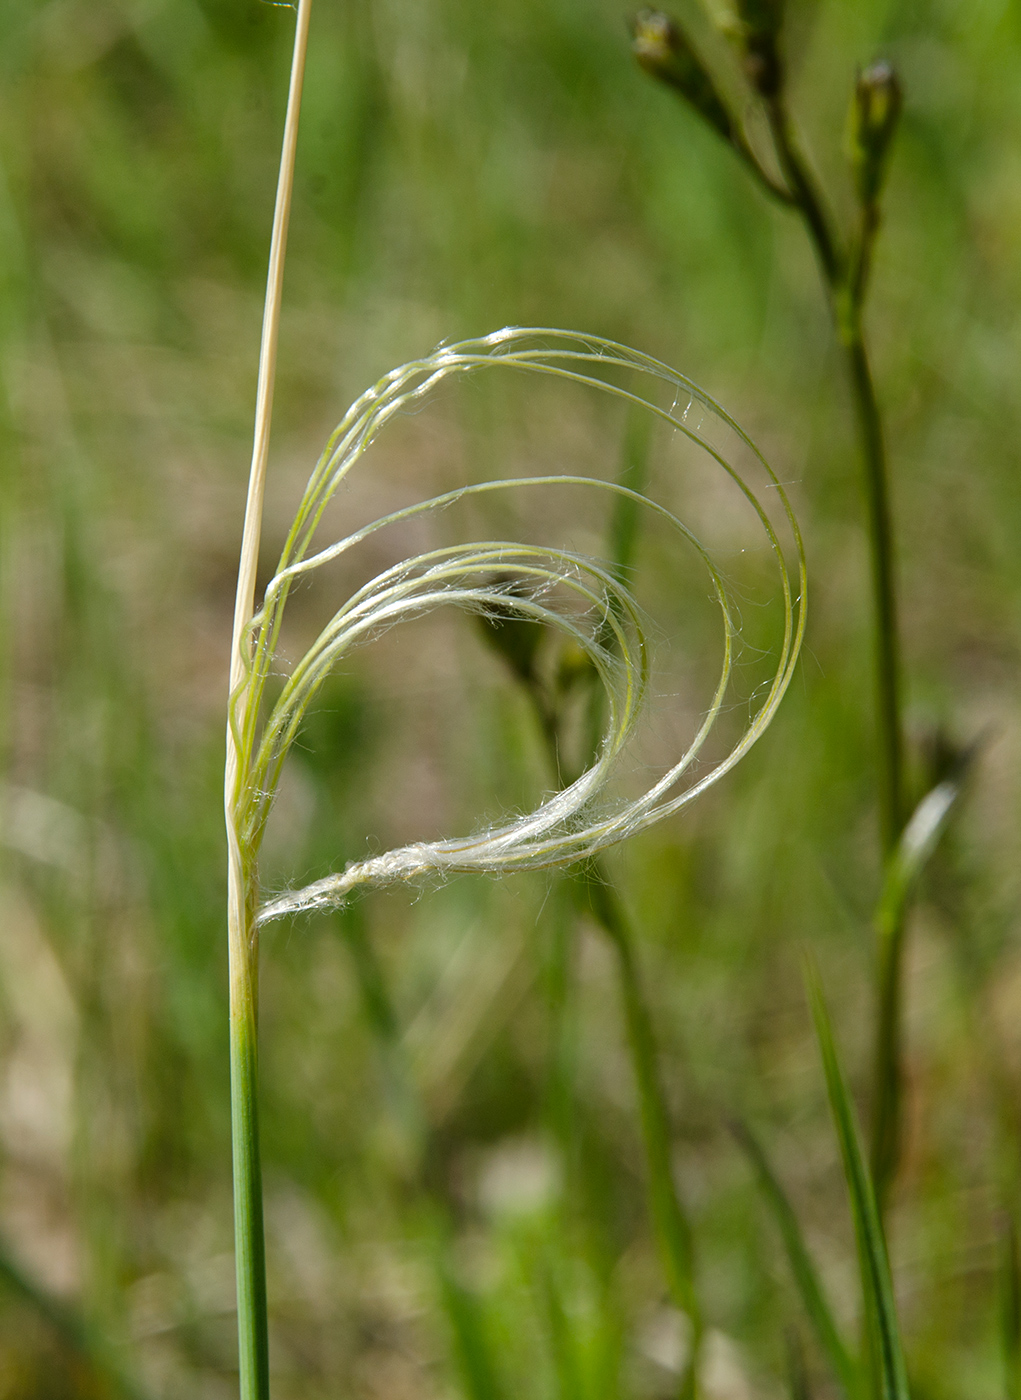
527,581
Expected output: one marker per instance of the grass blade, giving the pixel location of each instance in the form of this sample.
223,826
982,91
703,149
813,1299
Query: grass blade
667,1213
797,1374
877,1286
471,1344
74,1330
917,843
806,1278
563,1343
1010,1311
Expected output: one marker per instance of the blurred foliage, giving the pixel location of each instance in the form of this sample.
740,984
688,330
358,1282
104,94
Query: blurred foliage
454,1179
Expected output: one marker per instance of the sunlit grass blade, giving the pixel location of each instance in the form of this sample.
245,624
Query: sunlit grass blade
890,1377
809,1286
563,1344
797,1373
668,1216
78,1335
471,1342
917,844
1010,1311
914,850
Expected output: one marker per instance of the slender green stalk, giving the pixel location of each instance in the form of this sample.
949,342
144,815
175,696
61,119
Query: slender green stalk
669,1219
886,1354
806,197
887,1051
75,1331
663,49
478,1372
809,1285
1010,1312
249,1235
884,1147
884,597
918,840
596,896
846,284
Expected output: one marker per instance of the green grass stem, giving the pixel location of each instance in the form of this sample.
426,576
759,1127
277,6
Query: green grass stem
567,1367
249,1233
889,727
914,849
846,286
806,1277
471,1342
597,897
845,276
76,1332
882,1329
1010,1311
669,1218
845,280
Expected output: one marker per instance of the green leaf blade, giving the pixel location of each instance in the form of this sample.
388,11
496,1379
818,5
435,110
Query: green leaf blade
876,1283
806,1278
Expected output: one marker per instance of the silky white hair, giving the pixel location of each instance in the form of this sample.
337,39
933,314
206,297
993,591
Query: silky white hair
608,626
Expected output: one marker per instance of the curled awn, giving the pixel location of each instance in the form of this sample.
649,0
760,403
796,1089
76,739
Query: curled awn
528,581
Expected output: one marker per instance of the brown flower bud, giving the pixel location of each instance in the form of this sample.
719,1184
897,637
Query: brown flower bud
875,112
664,50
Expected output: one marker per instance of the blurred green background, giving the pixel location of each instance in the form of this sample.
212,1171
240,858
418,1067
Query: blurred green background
434,1228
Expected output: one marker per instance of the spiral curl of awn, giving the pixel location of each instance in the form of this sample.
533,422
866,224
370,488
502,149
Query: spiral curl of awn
571,824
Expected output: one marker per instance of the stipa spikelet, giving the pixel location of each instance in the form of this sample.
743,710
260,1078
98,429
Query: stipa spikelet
509,578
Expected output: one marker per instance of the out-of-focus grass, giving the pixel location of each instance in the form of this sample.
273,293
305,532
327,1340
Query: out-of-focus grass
437,1084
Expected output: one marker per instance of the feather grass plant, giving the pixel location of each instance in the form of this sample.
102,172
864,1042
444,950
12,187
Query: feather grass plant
572,824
